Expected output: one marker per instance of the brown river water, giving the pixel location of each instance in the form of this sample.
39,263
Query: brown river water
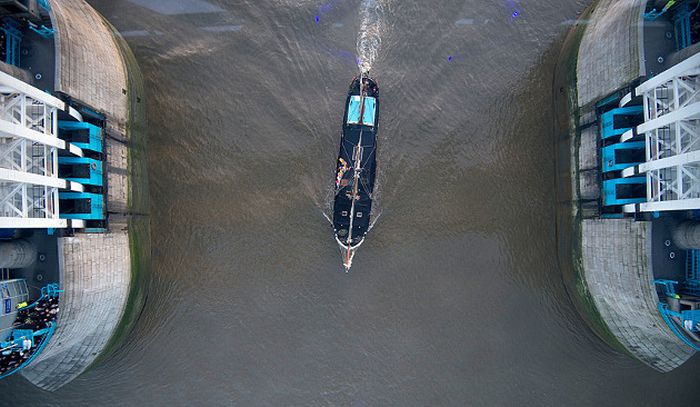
454,299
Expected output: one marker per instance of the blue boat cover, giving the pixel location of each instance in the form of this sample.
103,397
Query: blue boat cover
369,113
354,110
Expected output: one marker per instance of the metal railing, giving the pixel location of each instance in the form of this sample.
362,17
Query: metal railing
666,315
44,340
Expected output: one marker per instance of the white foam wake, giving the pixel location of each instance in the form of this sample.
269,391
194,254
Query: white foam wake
369,38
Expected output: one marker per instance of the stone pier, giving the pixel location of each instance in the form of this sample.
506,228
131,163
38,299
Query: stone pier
95,269
611,258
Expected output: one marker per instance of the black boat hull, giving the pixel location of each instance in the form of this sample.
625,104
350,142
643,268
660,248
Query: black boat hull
358,150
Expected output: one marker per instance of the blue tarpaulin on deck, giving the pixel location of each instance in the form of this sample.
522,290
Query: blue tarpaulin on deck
369,113
370,108
354,110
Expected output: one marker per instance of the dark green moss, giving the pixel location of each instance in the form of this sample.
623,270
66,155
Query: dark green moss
138,201
570,220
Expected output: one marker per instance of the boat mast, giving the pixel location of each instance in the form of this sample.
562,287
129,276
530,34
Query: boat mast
357,157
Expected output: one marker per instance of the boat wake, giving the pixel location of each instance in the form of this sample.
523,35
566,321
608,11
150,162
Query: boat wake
327,216
368,42
369,38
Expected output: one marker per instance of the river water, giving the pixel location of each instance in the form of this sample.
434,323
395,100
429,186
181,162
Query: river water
454,299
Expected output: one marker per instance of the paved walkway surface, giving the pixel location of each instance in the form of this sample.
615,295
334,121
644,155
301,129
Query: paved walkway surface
616,263
96,275
610,52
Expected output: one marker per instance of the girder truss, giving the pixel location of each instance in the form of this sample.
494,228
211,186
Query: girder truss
29,144
21,200
671,130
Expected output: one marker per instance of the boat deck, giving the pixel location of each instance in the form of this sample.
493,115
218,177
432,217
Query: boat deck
360,126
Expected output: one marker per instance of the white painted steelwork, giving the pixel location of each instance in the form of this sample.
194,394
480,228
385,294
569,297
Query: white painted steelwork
671,130
29,145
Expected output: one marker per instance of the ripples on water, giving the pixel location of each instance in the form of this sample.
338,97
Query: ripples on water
369,38
455,298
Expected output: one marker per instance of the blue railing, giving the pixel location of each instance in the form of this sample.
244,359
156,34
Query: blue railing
669,286
654,14
44,340
665,314
42,30
48,291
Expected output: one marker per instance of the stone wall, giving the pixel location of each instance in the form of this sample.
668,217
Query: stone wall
616,260
95,275
89,64
611,53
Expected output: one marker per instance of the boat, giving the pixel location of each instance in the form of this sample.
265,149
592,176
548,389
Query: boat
356,166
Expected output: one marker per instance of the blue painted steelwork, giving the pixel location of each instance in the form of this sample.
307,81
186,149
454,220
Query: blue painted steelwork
614,98
654,14
666,314
42,30
613,155
668,286
46,337
692,273
617,121
49,291
681,25
94,230
81,169
614,191
690,318
45,5
13,40
612,216
18,336
84,135
81,205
